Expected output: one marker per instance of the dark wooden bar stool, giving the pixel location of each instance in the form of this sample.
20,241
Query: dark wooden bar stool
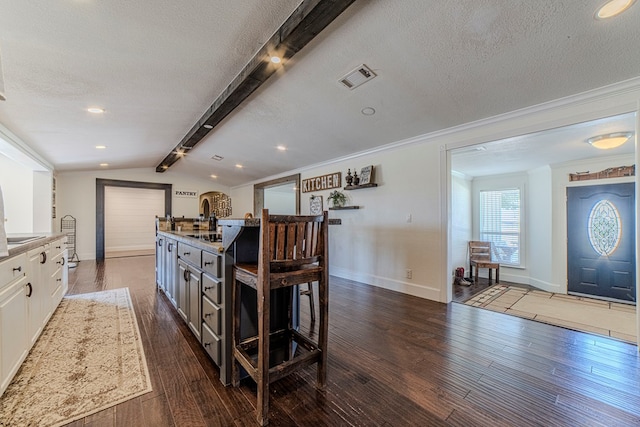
293,250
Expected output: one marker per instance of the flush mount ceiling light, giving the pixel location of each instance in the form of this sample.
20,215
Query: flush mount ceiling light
101,147
281,148
368,111
214,176
95,110
276,59
104,165
610,140
239,166
613,8
207,126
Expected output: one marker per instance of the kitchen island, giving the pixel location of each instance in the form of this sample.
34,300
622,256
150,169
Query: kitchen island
195,270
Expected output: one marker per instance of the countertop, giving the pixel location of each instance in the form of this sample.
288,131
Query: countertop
39,240
200,243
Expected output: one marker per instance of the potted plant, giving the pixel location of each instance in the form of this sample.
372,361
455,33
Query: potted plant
337,199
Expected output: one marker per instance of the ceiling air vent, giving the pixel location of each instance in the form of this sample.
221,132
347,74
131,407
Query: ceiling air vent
355,78
217,157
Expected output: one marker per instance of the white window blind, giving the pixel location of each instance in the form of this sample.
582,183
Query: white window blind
500,224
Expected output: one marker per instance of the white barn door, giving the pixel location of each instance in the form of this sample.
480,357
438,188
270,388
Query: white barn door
129,220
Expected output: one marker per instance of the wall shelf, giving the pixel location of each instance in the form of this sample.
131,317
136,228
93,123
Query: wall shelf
344,208
358,187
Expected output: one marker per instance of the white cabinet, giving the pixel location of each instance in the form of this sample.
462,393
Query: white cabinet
31,287
13,317
38,302
58,273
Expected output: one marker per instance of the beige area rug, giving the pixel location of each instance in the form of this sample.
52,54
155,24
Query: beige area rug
606,318
88,358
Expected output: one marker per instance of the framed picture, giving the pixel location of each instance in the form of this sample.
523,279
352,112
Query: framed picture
315,205
366,175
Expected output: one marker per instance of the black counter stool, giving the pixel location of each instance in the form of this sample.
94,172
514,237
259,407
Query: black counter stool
293,250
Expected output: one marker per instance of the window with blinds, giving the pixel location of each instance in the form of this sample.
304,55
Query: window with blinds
500,224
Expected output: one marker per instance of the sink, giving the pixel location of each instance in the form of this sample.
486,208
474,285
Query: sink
24,239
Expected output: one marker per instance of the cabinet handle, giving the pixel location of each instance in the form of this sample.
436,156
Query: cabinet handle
208,263
43,257
30,289
206,288
159,242
186,275
58,280
186,253
207,344
18,269
169,247
63,261
208,314
58,247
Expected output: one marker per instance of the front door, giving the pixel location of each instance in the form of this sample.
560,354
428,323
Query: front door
601,240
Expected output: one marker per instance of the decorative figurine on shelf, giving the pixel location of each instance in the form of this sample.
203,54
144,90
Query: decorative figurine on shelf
356,178
348,178
337,199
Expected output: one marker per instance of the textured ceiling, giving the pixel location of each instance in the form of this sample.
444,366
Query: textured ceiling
156,66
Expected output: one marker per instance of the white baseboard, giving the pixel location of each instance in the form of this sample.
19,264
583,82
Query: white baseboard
415,289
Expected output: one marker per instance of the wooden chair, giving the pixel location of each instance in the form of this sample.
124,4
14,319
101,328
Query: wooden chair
293,250
480,257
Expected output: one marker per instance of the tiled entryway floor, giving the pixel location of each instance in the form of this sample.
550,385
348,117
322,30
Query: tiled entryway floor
606,318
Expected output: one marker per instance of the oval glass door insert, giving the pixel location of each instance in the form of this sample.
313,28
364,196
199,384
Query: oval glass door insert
605,228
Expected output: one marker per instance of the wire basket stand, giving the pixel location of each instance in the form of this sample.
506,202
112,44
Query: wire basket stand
68,227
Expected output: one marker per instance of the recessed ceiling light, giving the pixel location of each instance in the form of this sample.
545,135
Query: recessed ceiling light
281,148
613,8
368,111
214,176
104,165
276,59
95,110
165,167
207,126
101,147
239,166
610,140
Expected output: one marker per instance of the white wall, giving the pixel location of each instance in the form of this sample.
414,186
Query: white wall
461,224
539,228
18,191
42,202
76,194
375,244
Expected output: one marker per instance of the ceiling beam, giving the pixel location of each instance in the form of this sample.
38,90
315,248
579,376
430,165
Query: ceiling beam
306,22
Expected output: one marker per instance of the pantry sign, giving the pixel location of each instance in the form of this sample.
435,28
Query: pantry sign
324,182
186,194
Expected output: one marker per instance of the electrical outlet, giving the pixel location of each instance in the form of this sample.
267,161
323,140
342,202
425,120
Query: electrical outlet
409,273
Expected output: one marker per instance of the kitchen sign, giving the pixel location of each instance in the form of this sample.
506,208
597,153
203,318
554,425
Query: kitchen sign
324,182
186,194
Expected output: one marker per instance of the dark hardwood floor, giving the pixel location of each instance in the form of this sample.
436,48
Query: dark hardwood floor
394,360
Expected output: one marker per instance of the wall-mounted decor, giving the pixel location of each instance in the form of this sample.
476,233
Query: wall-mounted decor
324,182
188,194
366,175
215,202
315,205
607,173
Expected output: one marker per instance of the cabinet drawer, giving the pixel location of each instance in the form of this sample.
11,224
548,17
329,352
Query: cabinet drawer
12,269
211,315
190,254
211,287
211,263
211,343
